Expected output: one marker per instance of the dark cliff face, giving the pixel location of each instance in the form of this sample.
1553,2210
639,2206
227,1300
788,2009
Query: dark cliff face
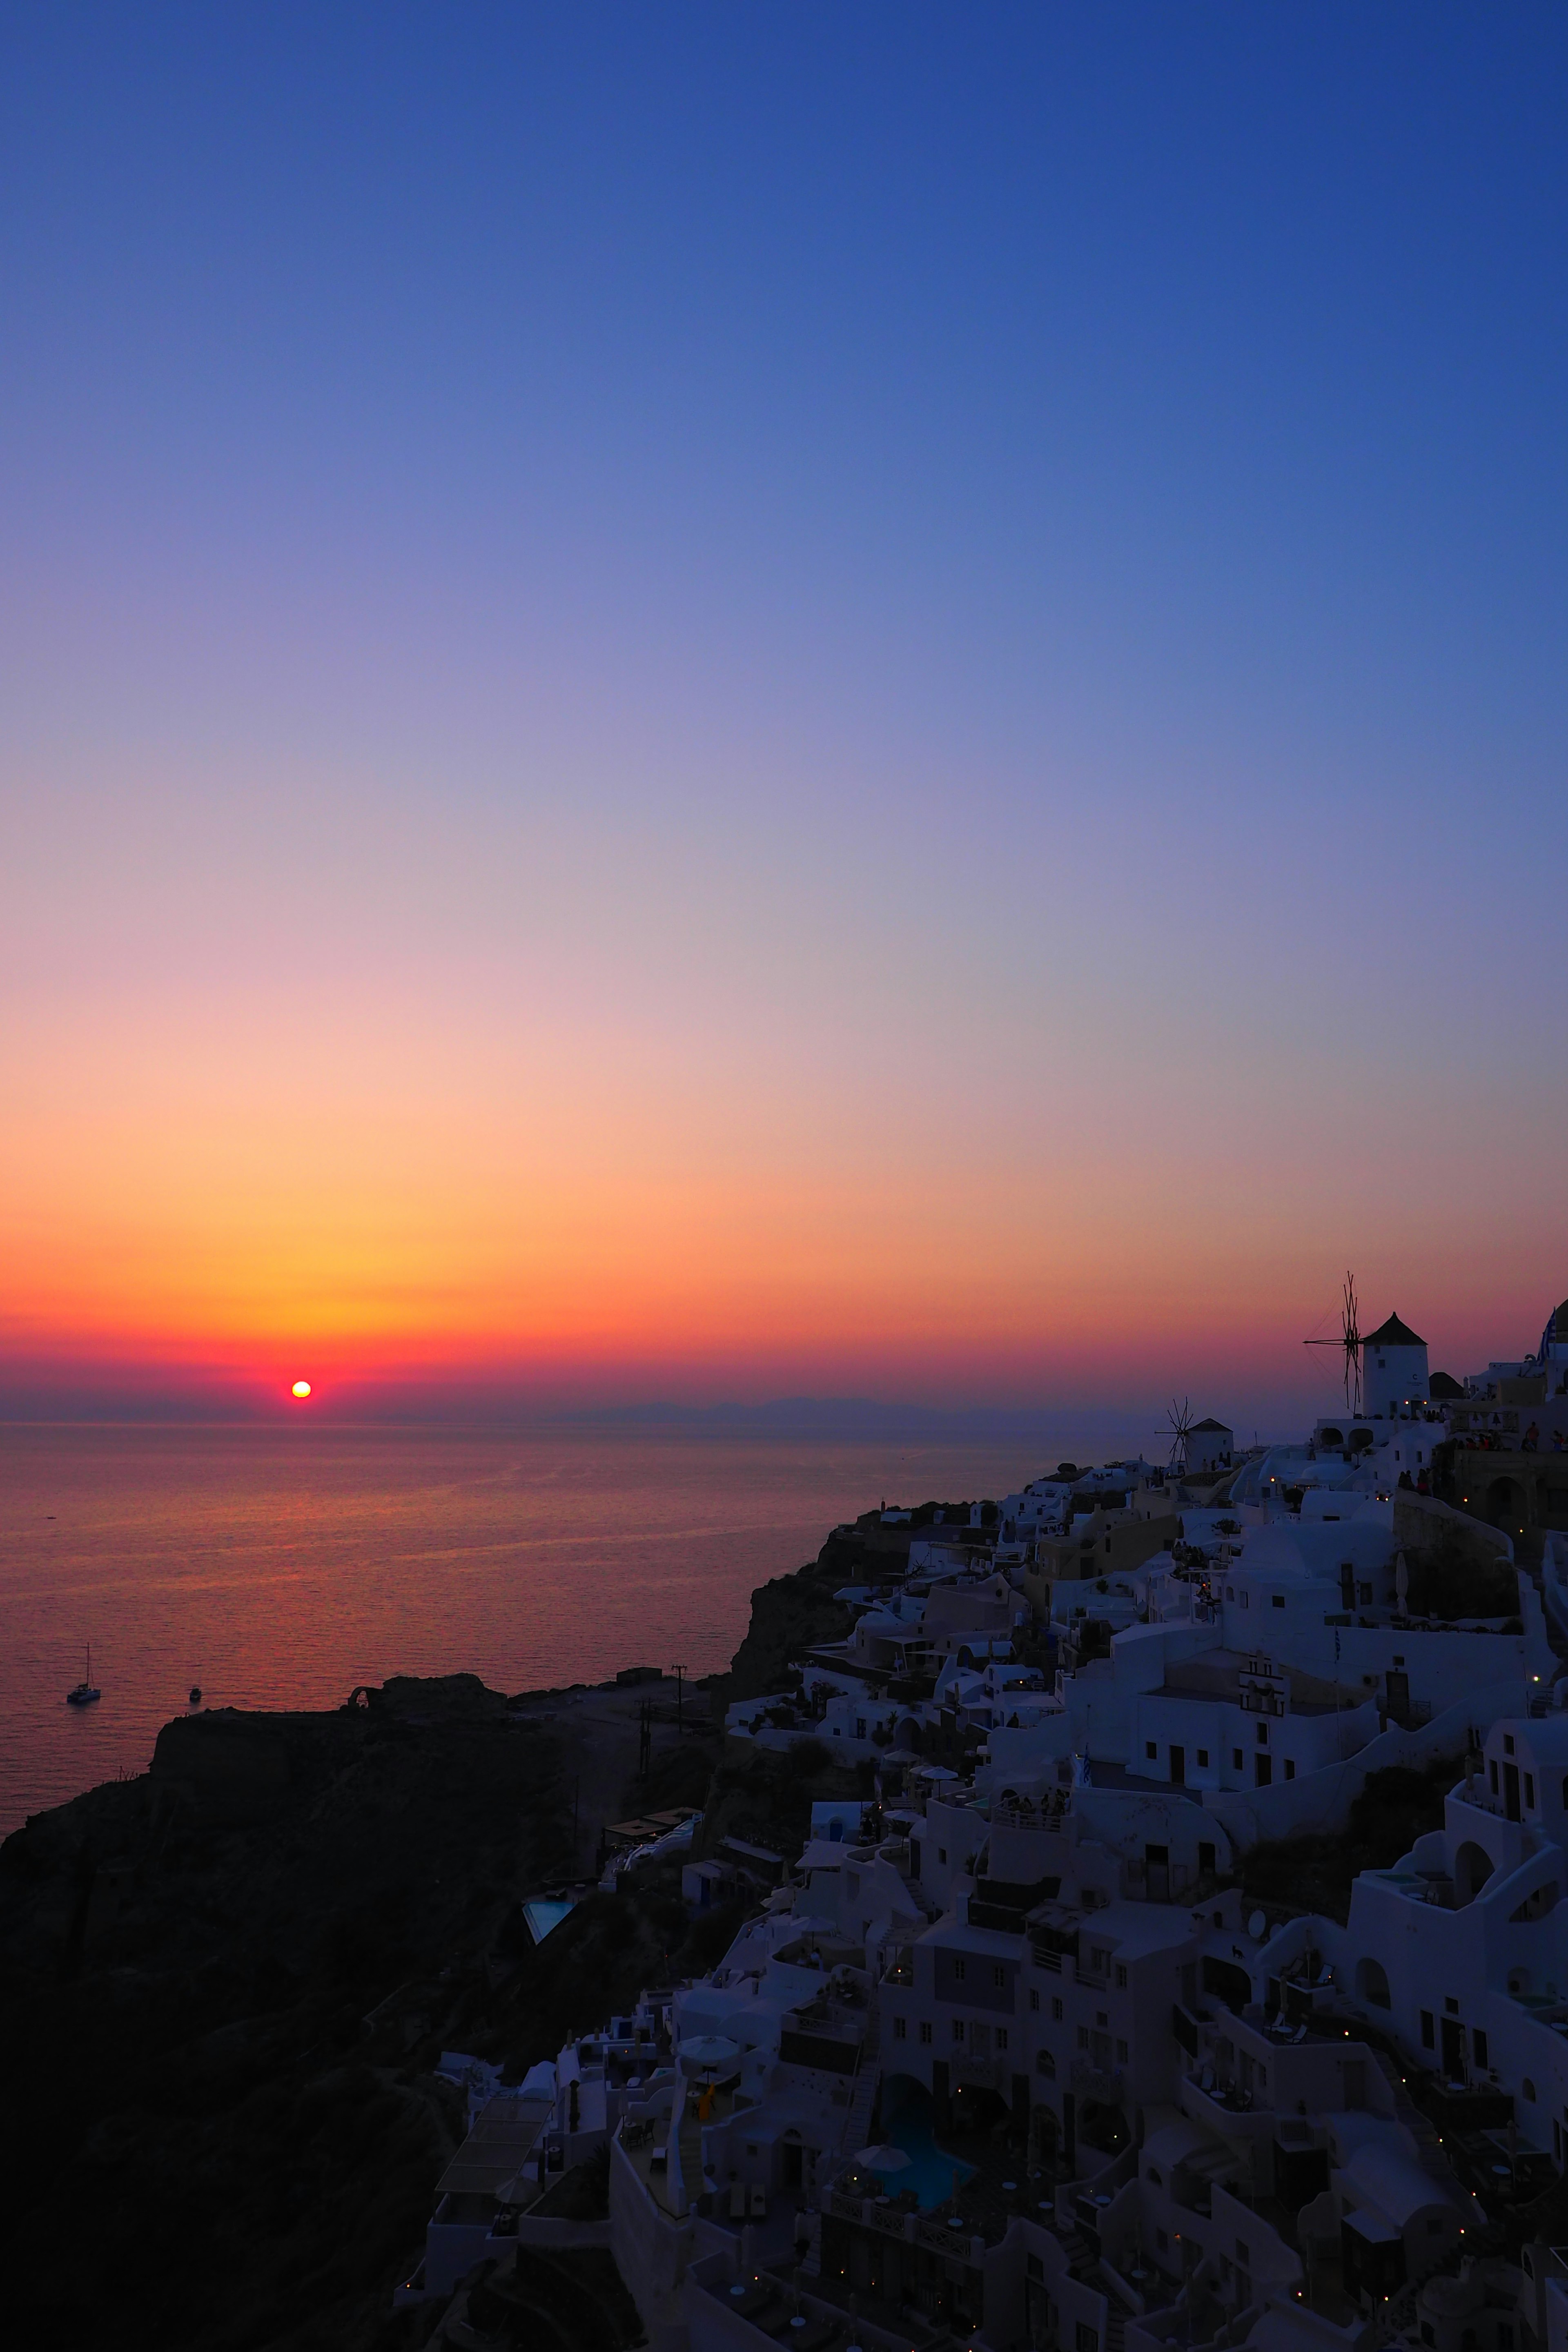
220,1989
797,1613
223,1986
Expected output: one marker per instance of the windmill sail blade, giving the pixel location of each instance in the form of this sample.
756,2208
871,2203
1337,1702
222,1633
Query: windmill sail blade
1348,1340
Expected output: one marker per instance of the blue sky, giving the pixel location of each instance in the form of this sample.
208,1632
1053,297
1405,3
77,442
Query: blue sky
796,560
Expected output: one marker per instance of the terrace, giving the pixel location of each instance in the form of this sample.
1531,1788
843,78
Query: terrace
645,2141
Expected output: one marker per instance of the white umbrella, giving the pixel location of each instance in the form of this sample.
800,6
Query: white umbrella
707,2052
882,2159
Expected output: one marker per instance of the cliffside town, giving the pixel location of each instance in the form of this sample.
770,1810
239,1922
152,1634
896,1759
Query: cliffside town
1184,1963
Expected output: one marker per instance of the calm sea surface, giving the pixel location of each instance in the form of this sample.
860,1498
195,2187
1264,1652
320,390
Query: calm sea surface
280,1568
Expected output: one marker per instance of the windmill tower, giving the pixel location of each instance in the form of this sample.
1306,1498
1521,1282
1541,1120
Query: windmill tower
1349,1341
1180,1418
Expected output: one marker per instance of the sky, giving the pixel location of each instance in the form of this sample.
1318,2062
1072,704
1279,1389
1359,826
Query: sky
703,703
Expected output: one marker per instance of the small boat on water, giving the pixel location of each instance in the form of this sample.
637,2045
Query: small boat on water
86,1691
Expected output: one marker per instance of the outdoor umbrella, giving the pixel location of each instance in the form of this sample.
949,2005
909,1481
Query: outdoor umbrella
707,2052
883,2157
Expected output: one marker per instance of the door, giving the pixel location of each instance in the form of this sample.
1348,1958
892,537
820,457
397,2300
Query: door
1178,1768
1157,1872
1453,2050
1265,1765
1510,1790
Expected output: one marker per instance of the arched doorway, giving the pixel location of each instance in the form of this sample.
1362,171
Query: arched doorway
1372,1985
1472,1868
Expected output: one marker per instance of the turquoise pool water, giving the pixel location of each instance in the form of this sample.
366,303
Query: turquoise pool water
543,1914
933,2175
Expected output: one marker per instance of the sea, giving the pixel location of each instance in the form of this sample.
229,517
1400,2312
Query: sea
283,1567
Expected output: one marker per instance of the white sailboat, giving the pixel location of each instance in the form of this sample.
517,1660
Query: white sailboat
86,1690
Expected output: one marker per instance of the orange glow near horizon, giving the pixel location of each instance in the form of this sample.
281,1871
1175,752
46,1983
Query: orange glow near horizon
671,1190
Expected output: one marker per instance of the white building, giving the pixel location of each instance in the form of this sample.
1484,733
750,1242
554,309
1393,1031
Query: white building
1394,1371
1211,1448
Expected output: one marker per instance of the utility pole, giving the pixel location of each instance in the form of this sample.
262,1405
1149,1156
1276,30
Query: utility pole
679,1673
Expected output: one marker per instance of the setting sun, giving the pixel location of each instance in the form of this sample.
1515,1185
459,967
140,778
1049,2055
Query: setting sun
301,1389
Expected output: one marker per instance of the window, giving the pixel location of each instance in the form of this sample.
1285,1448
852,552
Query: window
1083,2037
999,1974
1001,2037
1046,2064
958,1971
1530,1790
1087,2339
941,1854
1236,1757
1529,2088
1263,1735
1427,2036
1279,1599
958,2028
900,2029
1057,2010
1290,1768
925,2031
1035,2267
1121,2053
1204,1758
1033,1999
1479,2039
1508,1743
1150,1750
1245,1598
1451,2004
1491,1775
1120,1975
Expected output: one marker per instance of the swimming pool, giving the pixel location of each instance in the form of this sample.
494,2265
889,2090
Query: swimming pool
543,1914
933,2175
